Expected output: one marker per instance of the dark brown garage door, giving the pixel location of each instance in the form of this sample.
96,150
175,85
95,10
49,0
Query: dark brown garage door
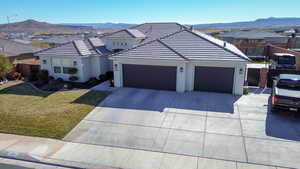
149,77
214,79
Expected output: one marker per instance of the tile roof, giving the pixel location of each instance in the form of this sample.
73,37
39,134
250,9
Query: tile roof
153,50
12,48
189,46
250,34
158,30
149,31
126,33
77,48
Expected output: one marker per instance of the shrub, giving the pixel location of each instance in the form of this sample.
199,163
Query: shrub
16,76
60,80
72,71
103,77
43,76
51,78
73,78
109,75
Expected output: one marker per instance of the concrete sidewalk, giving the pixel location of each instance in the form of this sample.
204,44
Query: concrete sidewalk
74,155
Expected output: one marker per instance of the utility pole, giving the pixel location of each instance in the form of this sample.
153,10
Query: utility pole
8,20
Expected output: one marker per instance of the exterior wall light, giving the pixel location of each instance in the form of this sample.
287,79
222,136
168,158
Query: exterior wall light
116,67
241,71
181,69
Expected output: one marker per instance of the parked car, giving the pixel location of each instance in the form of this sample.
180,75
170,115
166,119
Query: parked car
286,92
283,61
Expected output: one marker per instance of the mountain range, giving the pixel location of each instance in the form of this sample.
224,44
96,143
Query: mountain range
259,23
32,26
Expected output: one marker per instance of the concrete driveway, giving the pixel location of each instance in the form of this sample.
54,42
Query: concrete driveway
219,126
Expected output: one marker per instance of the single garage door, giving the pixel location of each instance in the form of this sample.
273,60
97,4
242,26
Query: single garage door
149,77
214,79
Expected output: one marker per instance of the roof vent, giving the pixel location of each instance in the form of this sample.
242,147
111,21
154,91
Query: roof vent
191,28
224,45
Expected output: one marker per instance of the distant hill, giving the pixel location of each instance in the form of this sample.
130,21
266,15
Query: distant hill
32,26
103,25
259,23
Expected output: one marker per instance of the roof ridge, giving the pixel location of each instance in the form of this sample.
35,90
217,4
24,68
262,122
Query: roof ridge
130,33
79,50
206,40
228,50
94,47
172,49
52,47
73,42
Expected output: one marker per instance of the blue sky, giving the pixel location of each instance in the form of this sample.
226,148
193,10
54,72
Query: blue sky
139,11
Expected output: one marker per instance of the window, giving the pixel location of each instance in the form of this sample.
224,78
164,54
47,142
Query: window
44,62
125,44
74,63
57,69
66,70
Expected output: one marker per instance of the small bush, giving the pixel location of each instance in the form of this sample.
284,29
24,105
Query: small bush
51,78
103,77
43,76
60,80
72,71
73,78
16,76
109,75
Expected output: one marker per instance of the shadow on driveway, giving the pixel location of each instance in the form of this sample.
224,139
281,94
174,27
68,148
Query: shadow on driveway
283,124
156,100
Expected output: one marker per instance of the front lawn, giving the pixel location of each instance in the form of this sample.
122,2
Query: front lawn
27,111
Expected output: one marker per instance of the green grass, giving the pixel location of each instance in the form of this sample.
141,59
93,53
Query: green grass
27,111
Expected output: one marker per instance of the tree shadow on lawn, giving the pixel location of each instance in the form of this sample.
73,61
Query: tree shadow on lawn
24,89
92,98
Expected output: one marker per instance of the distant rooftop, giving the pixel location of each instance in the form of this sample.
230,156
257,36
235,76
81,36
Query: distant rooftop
77,48
13,48
250,34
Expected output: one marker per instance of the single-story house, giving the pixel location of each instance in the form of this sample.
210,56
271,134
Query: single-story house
164,56
182,61
21,55
89,57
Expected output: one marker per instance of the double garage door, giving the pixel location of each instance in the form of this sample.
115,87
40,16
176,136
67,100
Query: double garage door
150,77
213,79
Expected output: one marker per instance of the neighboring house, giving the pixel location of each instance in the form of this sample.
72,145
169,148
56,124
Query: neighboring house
164,56
182,61
21,55
253,42
89,57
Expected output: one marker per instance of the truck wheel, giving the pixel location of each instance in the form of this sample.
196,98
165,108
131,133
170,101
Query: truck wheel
274,109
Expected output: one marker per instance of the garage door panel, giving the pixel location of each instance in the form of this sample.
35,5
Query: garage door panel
214,79
149,77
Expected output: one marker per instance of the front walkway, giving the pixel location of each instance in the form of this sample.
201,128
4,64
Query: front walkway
66,154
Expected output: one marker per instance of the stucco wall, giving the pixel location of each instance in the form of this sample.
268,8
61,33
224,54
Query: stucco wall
115,43
83,66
